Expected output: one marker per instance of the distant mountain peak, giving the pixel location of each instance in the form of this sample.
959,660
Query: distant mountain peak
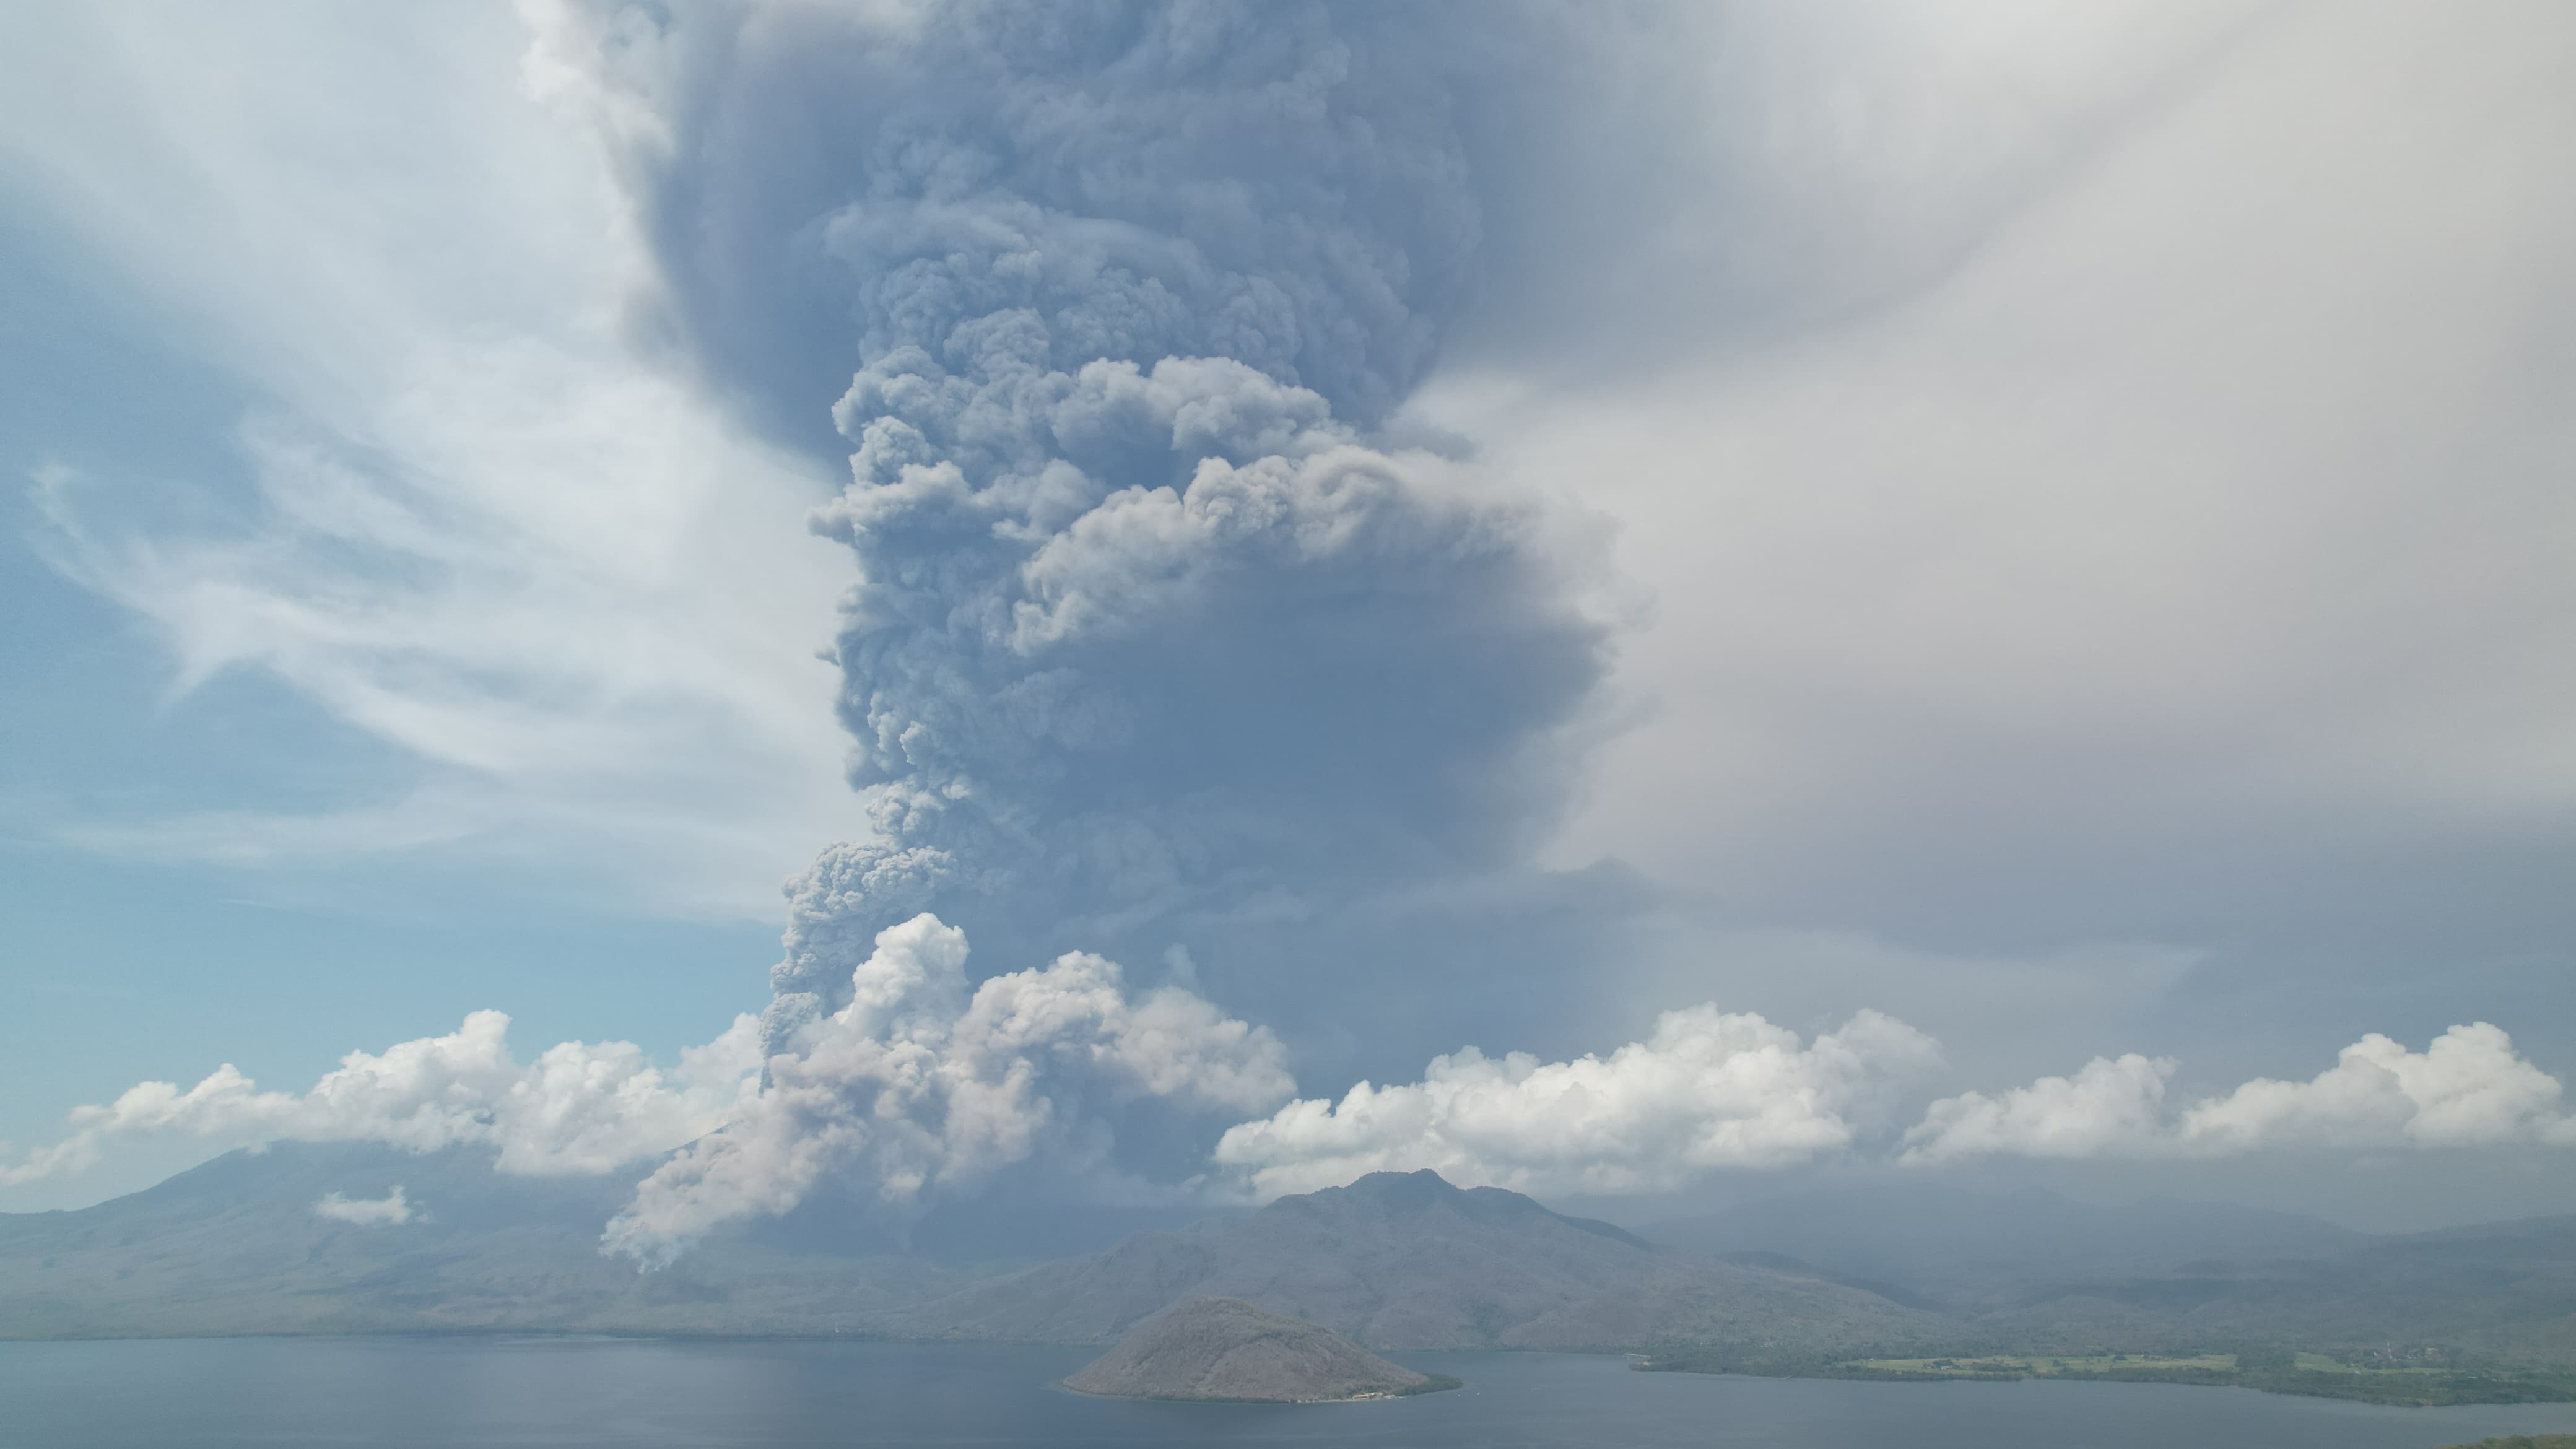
1396,1192
1401,1194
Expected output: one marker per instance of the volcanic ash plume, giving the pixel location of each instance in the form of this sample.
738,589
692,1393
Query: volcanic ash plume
921,1082
1146,623
1153,624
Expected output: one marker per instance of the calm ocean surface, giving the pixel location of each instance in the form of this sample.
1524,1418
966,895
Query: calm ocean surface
552,1391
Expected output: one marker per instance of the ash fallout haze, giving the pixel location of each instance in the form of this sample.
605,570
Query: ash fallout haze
1660,606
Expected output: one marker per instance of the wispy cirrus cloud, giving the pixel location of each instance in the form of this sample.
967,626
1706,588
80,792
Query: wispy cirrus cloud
470,513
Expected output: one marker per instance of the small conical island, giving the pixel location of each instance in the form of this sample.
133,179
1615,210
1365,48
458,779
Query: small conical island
1224,1350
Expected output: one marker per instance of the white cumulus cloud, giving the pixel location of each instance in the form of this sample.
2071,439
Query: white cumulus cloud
579,1108
2110,1106
2469,1088
1707,1090
920,1082
391,1210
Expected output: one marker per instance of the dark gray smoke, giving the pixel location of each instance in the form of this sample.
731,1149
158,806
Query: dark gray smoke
1148,627
1159,639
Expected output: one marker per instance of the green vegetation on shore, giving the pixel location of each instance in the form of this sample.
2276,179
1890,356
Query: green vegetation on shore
2524,1441
2271,1370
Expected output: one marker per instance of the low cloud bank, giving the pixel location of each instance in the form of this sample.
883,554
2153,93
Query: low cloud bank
925,1086
1708,1090
391,1210
2468,1089
580,1107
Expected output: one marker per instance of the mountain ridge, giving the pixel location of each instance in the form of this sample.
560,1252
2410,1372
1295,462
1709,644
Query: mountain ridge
1410,1261
1393,1261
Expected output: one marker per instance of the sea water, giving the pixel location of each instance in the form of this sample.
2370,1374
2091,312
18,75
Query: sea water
417,1392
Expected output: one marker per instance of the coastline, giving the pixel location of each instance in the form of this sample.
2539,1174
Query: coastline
2299,1375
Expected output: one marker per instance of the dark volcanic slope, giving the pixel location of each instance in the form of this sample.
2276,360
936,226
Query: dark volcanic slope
1392,1261
235,1246
1224,1348
1404,1260
2033,1270
2504,1290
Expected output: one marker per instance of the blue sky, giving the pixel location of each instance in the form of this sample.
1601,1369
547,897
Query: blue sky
2004,542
